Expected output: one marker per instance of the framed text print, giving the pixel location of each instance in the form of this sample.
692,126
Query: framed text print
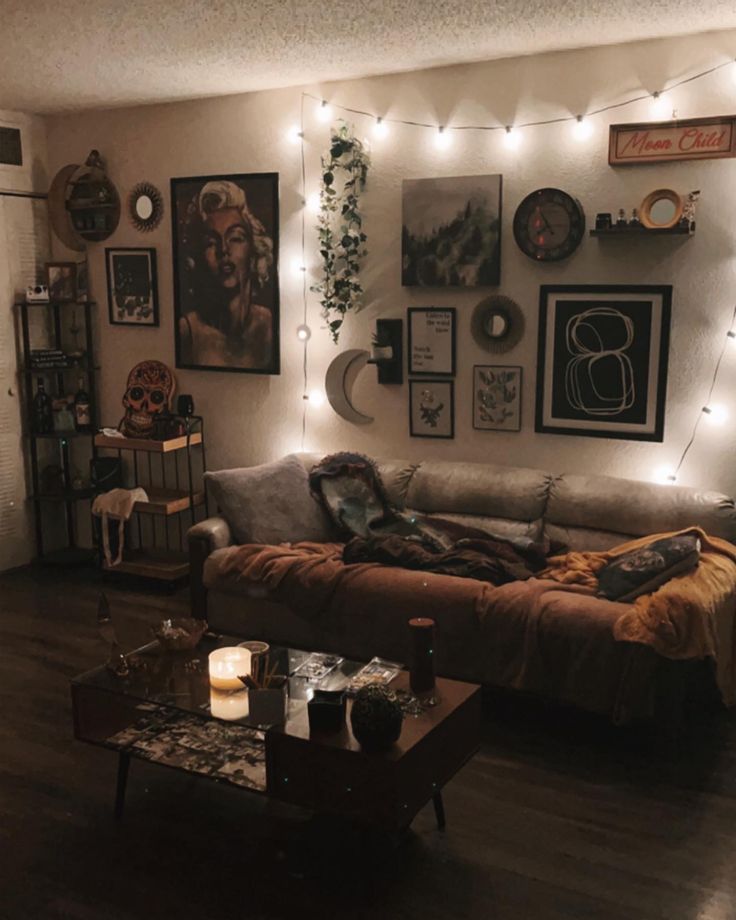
432,340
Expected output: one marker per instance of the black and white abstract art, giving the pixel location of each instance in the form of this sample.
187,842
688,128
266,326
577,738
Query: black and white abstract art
451,232
602,360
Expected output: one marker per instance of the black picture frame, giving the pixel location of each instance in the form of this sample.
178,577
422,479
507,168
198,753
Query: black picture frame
500,426
201,289
424,429
431,371
132,286
620,395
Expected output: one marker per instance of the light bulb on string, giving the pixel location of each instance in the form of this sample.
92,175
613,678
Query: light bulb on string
582,129
659,107
665,475
511,138
731,336
324,112
294,134
312,203
442,138
716,414
380,128
298,266
303,332
316,398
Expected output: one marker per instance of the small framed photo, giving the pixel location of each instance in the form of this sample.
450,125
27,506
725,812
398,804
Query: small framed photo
132,288
432,408
497,397
432,341
61,278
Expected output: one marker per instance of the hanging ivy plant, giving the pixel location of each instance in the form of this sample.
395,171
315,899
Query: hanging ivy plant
340,227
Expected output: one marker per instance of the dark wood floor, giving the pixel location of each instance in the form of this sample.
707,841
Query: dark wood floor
558,816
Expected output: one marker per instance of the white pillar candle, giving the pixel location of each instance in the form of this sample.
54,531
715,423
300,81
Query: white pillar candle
227,665
229,706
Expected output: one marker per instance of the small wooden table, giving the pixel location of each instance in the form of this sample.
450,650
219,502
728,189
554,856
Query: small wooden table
162,712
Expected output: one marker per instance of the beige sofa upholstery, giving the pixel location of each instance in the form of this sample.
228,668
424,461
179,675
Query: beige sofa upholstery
582,512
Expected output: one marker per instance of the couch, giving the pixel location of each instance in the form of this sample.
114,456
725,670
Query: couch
579,663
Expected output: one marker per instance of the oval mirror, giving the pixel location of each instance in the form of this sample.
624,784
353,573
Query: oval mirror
497,324
662,212
144,207
661,209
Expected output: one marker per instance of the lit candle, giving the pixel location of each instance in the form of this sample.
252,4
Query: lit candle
227,665
229,706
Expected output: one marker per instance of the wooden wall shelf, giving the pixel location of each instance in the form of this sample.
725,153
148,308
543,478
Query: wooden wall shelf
644,231
156,447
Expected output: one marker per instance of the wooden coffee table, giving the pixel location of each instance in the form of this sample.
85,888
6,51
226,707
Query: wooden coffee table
162,712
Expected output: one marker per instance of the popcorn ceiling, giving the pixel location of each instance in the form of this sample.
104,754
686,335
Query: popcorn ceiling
77,54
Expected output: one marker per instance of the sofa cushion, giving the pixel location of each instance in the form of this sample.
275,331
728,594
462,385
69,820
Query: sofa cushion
270,503
479,488
505,528
629,507
642,571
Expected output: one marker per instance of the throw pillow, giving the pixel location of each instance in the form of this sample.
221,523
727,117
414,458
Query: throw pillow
270,503
644,570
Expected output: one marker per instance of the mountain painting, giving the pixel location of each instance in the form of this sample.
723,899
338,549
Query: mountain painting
451,233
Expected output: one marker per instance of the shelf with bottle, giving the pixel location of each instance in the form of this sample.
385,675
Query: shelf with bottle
62,417
54,303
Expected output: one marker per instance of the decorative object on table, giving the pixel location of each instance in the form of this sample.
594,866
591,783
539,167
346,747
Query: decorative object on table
115,660
635,221
663,142
148,393
549,225
228,667
318,665
432,341
432,408
255,647
226,291
451,231
642,571
497,323
340,229
132,287
229,705
326,711
387,351
661,209
621,220
602,360
116,507
145,207
61,278
497,397
603,220
268,692
84,205
178,634
376,718
421,654
339,380
185,405
37,293
378,672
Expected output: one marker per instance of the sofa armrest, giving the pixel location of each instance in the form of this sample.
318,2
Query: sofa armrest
204,538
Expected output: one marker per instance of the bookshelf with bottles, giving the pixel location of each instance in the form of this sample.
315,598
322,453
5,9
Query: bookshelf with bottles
59,389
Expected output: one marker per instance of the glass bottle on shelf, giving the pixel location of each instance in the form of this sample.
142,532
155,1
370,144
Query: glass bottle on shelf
43,416
82,411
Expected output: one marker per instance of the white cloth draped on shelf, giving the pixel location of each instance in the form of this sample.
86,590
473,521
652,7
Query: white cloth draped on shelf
116,504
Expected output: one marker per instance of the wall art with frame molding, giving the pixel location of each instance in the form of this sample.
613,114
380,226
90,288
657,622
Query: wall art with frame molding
432,345
432,408
497,397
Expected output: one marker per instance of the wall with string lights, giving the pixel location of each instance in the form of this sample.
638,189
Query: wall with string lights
540,121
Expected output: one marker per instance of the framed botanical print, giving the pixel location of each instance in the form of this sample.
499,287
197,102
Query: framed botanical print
226,291
432,341
132,286
497,397
61,280
602,360
432,408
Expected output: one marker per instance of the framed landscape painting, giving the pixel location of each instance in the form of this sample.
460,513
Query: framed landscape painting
602,360
132,288
226,292
451,232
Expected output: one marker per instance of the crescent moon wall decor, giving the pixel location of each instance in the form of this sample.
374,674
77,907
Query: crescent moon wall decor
339,380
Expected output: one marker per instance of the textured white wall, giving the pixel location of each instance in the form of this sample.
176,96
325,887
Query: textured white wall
252,418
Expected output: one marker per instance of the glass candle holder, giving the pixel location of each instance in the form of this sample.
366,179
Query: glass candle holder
227,665
421,654
229,706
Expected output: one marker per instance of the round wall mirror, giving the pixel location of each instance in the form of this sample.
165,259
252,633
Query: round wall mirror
497,323
145,207
661,209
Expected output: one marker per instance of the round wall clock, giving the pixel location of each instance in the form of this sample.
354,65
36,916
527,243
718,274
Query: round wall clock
549,225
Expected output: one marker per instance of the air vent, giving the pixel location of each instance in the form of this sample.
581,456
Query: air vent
11,153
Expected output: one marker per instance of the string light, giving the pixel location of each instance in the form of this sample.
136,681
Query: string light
312,203
665,475
324,112
716,414
316,398
298,266
380,128
295,135
442,138
659,108
511,138
303,332
582,129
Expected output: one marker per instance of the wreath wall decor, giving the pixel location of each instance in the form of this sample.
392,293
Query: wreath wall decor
340,227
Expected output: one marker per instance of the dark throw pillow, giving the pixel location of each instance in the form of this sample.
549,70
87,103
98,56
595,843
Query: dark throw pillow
645,569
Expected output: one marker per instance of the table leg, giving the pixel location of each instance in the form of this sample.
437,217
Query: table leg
439,810
123,765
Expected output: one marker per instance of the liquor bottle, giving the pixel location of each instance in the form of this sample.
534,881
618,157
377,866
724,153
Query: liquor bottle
421,662
82,412
43,416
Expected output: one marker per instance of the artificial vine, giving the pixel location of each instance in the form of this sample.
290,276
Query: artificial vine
340,227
